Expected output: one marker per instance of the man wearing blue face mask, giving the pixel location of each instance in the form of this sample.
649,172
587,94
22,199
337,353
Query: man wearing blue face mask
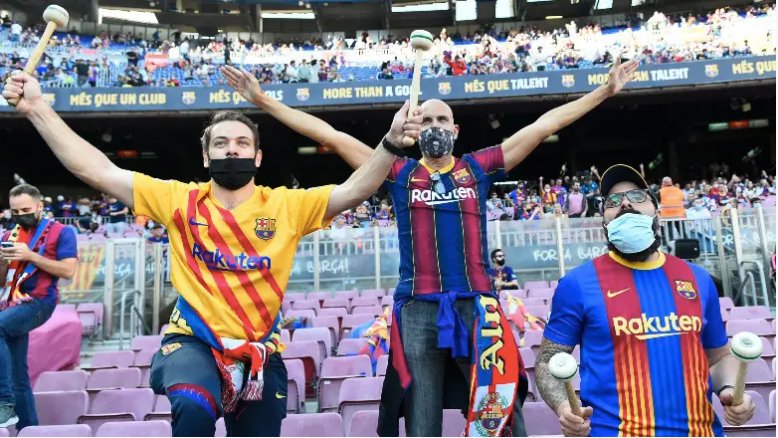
653,346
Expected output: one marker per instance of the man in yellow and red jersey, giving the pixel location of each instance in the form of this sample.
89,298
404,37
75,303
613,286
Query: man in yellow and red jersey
232,247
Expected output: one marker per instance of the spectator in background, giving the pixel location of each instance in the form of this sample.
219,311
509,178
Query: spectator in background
576,203
698,210
304,72
291,72
158,234
362,217
503,276
132,58
591,190
16,32
458,66
559,191
117,213
670,200
82,72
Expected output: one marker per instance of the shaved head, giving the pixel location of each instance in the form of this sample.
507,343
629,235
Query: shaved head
436,113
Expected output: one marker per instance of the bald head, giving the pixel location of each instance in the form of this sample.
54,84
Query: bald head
436,113
667,181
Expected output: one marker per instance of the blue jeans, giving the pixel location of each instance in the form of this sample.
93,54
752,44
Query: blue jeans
426,363
15,325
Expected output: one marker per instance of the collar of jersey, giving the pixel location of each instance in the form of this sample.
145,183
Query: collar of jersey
446,169
640,266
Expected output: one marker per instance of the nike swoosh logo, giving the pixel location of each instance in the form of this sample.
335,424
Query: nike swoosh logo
279,396
197,224
418,180
615,294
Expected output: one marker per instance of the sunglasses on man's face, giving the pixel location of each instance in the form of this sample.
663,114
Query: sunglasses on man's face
635,196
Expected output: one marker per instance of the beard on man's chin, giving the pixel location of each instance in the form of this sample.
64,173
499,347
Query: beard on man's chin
641,256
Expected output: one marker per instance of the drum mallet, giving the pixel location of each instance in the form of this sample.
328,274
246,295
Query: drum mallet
421,41
564,368
746,347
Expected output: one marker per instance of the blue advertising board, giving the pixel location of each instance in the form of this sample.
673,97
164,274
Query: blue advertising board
396,91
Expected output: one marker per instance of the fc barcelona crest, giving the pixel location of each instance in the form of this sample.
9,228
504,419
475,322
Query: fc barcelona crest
568,81
50,98
444,88
492,409
462,176
686,289
266,228
303,94
712,70
188,97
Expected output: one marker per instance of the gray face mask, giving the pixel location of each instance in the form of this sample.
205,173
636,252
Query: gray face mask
436,142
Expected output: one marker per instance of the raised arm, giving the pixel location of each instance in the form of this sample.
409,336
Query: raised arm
353,151
76,154
520,144
369,177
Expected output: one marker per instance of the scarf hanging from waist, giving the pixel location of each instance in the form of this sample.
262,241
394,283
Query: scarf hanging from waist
19,271
237,355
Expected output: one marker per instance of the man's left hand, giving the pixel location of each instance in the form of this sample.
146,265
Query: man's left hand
620,75
740,414
20,251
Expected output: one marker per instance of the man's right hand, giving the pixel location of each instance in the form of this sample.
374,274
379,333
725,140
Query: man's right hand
573,425
244,83
24,87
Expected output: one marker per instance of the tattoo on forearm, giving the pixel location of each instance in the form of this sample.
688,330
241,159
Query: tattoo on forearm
551,389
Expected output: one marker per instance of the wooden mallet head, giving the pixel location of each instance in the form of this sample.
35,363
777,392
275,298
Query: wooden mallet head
564,368
421,41
746,347
55,16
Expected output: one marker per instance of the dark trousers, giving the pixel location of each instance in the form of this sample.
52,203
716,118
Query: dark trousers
186,371
15,325
427,362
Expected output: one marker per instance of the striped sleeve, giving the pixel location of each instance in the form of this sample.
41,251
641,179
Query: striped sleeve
492,162
156,198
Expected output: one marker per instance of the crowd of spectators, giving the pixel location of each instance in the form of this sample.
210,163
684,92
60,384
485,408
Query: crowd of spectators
486,51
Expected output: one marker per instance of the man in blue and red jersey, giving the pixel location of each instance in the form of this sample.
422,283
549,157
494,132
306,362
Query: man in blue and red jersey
34,254
448,325
653,345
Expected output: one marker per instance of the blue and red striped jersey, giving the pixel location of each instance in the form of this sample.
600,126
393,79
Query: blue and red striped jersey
643,329
441,221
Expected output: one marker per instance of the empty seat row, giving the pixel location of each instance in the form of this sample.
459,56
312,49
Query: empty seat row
105,378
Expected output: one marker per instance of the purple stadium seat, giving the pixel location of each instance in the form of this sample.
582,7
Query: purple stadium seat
759,327
318,296
221,429
553,284
359,395
529,361
363,424
532,340
91,316
367,310
308,353
378,293
285,336
364,302
114,378
724,315
387,301
515,293
317,334
61,407
351,321
153,342
539,311
111,359
540,419
286,306
772,406
760,378
143,358
350,346
331,323
530,285
65,308
334,371
533,302
163,329
312,425
546,294
453,422
291,297
4,432
306,314
306,305
382,365
726,303
295,374
118,405
750,312
139,428
347,294
336,303
73,380
338,312
69,430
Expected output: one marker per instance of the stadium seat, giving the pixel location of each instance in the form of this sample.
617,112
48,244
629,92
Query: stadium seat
532,340
318,296
143,358
221,428
286,337
68,430
60,407
546,294
540,419
334,371
367,310
111,359
306,314
387,301
139,428
760,378
348,346
317,334
291,297
533,302
724,315
338,312
359,395
295,374
347,294
553,284
367,293
381,365
364,302
772,406
312,425
453,422
163,329
530,285
331,323
528,357
306,305
91,316
113,378
65,308
73,380
759,327
118,405
726,303
308,353
750,312
351,321
153,342
334,303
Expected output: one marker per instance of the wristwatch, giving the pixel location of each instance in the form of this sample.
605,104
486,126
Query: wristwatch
391,148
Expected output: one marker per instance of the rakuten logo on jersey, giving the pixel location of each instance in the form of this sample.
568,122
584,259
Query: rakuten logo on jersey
430,197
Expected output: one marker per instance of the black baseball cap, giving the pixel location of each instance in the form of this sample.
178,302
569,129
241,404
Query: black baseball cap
620,173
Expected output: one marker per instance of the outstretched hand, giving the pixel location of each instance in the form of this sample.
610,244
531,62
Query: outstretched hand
405,125
244,83
620,75
24,87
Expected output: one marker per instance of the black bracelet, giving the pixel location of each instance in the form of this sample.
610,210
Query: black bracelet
718,393
392,148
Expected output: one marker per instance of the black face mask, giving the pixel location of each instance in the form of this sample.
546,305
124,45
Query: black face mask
232,173
499,262
26,221
436,142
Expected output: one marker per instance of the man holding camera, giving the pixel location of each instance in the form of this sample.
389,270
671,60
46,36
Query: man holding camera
34,254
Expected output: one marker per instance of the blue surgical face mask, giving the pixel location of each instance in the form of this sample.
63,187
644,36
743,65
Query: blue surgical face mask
631,233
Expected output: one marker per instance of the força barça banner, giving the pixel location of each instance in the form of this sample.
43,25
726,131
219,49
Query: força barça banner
395,91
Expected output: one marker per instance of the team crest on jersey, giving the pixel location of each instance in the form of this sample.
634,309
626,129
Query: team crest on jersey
444,88
712,70
492,409
686,289
266,228
462,176
169,348
568,81
188,97
303,94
